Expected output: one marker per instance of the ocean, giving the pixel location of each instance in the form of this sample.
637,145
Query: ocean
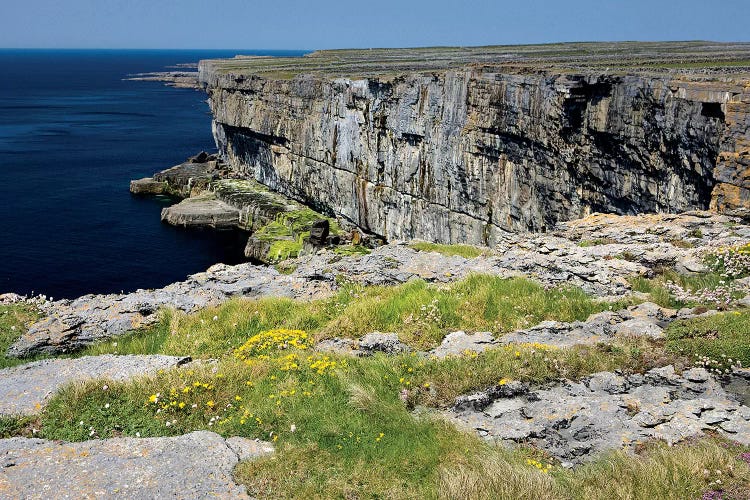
72,135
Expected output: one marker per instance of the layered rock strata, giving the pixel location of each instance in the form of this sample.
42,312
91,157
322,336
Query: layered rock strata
465,153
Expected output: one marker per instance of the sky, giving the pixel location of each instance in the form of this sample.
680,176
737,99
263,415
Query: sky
308,25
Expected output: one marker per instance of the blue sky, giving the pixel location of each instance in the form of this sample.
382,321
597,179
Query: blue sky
298,24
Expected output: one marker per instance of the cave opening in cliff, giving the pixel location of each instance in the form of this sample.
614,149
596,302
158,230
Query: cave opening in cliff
712,110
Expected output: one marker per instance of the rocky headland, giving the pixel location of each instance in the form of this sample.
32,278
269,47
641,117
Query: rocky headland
459,145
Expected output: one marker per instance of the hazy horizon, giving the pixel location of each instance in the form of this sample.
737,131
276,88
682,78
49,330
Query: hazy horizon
328,24
309,49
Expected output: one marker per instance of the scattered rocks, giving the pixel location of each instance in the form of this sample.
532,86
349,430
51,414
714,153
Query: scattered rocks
368,345
196,465
11,298
382,342
25,389
574,420
644,320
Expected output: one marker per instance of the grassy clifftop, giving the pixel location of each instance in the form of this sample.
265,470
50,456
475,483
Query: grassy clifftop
691,56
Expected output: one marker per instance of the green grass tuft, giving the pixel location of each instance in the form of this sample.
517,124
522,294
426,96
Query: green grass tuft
466,251
719,337
14,321
596,242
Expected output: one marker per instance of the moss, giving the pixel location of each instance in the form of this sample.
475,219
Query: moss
596,242
351,250
283,249
287,232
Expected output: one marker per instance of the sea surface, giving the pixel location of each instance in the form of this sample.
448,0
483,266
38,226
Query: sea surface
72,135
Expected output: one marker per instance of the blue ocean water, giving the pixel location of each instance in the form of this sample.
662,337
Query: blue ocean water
72,135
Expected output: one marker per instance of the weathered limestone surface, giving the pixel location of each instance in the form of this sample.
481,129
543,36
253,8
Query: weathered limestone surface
462,155
606,411
202,211
196,465
25,389
552,259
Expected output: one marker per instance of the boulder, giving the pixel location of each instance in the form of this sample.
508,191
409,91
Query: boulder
319,232
147,185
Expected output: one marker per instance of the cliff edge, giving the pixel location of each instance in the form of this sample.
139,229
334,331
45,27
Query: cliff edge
463,144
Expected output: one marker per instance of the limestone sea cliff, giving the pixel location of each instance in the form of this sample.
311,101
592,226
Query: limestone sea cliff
461,146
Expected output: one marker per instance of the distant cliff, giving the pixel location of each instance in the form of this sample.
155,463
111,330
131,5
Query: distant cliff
460,154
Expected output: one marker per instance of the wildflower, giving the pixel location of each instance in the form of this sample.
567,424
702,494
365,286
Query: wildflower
181,405
210,404
154,398
293,428
238,398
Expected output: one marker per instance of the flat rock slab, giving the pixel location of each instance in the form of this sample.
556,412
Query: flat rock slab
202,211
196,465
458,343
25,389
573,421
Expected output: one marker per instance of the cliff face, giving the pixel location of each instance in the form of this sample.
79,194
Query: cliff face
464,154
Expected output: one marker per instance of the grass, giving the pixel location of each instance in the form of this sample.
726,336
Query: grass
659,471
466,251
14,320
421,314
17,425
596,242
346,250
719,337
656,287
341,427
349,427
